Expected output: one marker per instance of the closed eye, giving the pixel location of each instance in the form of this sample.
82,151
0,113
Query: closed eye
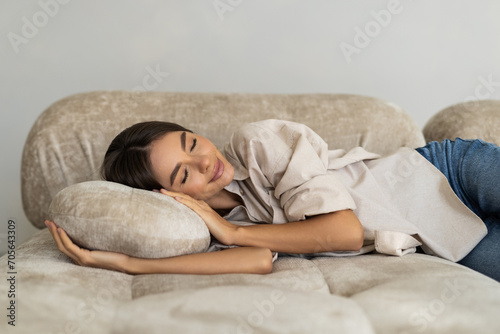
194,145
186,174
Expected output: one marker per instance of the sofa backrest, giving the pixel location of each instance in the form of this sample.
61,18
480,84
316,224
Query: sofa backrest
67,143
466,120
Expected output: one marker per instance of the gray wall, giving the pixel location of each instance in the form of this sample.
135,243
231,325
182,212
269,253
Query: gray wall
422,55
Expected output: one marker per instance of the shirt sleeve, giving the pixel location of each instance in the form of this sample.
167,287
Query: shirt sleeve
291,161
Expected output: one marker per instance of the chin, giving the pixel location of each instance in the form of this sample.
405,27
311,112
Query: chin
230,172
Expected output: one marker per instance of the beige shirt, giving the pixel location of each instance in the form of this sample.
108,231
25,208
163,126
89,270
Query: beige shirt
284,172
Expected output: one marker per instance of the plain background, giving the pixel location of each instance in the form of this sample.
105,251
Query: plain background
423,56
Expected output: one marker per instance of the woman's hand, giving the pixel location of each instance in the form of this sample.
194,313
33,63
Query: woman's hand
85,257
220,228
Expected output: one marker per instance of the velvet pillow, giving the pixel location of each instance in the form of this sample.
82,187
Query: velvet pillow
112,217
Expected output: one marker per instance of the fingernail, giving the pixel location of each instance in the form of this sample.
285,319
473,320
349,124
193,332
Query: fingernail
46,223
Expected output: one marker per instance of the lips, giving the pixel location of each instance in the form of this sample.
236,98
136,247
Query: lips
218,170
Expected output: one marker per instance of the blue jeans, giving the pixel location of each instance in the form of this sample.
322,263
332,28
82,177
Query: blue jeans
472,168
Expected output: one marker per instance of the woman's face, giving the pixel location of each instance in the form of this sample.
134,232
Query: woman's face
187,163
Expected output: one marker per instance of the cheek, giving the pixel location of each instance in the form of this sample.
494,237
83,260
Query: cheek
196,189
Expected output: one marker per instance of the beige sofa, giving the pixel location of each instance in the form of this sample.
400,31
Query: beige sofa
372,293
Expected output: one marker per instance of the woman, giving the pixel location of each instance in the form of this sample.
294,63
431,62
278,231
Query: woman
283,174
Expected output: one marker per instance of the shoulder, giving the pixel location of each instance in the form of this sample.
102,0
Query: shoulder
269,140
260,144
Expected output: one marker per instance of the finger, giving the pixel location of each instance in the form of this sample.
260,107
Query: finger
183,198
52,227
71,249
173,193
58,235
49,222
66,241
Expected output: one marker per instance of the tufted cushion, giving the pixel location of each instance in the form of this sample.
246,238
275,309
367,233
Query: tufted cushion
67,143
110,216
467,120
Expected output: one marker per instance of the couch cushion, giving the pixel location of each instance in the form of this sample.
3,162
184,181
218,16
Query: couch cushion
293,273
242,309
467,120
418,293
112,217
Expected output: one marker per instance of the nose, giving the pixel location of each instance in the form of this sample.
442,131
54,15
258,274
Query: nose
202,163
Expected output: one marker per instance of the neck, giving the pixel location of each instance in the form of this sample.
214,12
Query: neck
224,200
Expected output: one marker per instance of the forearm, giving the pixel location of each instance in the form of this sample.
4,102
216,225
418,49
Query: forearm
336,231
253,260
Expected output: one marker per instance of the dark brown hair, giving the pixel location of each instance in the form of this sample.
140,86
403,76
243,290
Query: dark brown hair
127,160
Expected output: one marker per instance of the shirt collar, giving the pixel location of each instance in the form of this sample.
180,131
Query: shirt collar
240,172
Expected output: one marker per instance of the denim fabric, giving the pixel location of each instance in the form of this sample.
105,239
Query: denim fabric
472,168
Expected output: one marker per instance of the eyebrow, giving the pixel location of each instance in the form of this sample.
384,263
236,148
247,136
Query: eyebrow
178,166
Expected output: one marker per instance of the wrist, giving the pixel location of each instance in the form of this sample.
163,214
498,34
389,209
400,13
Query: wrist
125,265
238,236
225,232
